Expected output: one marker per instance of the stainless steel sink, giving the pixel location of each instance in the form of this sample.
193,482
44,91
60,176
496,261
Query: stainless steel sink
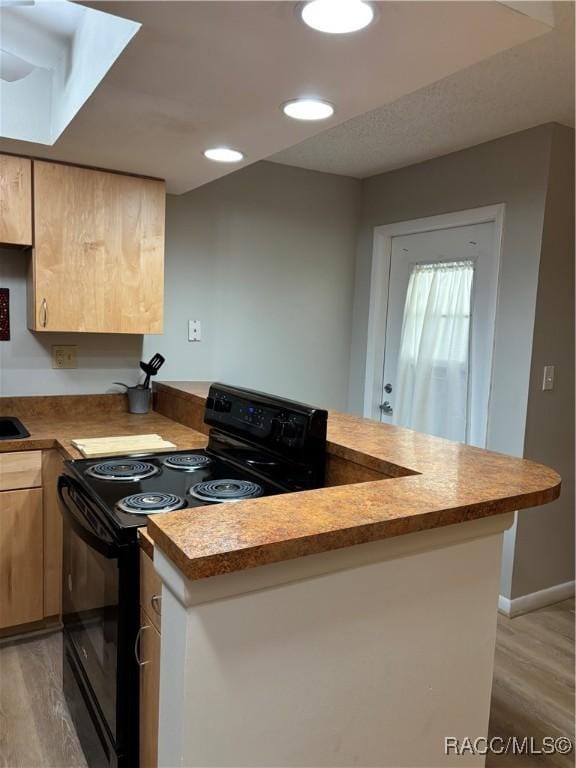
12,428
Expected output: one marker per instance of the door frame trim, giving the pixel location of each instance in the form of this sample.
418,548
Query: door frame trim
379,284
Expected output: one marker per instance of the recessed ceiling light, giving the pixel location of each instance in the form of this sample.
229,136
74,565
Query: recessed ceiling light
308,109
337,16
223,155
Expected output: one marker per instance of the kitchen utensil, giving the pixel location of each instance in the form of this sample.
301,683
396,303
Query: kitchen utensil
151,368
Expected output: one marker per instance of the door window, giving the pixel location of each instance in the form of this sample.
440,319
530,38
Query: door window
433,360
437,332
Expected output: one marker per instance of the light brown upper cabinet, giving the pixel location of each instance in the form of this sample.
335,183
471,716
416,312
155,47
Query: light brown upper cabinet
98,260
15,200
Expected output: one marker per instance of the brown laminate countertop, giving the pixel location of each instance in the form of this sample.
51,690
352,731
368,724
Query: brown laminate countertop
54,421
427,483
423,482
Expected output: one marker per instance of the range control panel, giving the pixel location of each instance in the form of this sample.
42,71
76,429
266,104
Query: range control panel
292,429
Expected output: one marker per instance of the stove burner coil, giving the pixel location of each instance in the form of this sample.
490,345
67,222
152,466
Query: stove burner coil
187,462
226,490
150,503
122,469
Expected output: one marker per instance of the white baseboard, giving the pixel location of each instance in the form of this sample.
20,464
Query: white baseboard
534,600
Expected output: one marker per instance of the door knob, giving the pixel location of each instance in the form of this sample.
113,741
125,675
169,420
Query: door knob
385,407
388,388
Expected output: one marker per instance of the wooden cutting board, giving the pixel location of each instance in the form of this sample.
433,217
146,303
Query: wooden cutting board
121,445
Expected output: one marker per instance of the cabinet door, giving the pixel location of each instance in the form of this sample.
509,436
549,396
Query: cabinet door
15,200
98,262
21,566
149,660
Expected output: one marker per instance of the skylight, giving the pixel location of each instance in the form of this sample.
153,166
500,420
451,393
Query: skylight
53,54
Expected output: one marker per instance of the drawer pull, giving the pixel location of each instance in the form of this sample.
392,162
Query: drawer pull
44,311
156,603
137,646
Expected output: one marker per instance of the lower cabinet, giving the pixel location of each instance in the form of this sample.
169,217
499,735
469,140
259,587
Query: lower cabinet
148,656
21,557
30,539
149,661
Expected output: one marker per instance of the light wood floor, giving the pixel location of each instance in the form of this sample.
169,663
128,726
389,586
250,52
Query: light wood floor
533,694
35,726
533,688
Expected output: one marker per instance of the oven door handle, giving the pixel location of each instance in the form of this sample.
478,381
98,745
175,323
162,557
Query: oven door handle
81,526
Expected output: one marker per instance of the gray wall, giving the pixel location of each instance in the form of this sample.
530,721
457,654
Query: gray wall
544,552
511,170
263,257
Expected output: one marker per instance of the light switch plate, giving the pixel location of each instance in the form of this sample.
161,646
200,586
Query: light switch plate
194,330
64,356
548,378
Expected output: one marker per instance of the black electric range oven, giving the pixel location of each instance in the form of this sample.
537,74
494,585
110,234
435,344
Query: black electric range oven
259,445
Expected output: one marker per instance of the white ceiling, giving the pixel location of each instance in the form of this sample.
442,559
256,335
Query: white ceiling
200,74
525,86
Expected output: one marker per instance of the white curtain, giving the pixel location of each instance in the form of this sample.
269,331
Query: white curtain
433,362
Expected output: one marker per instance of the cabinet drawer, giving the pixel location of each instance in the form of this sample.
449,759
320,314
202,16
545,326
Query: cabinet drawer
150,590
20,470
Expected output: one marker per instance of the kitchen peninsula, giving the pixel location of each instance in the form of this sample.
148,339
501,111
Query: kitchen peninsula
350,625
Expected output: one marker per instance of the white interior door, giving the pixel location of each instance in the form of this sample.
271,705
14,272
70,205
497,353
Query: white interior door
439,331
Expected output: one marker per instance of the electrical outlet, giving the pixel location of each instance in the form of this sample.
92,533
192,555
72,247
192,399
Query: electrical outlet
64,356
